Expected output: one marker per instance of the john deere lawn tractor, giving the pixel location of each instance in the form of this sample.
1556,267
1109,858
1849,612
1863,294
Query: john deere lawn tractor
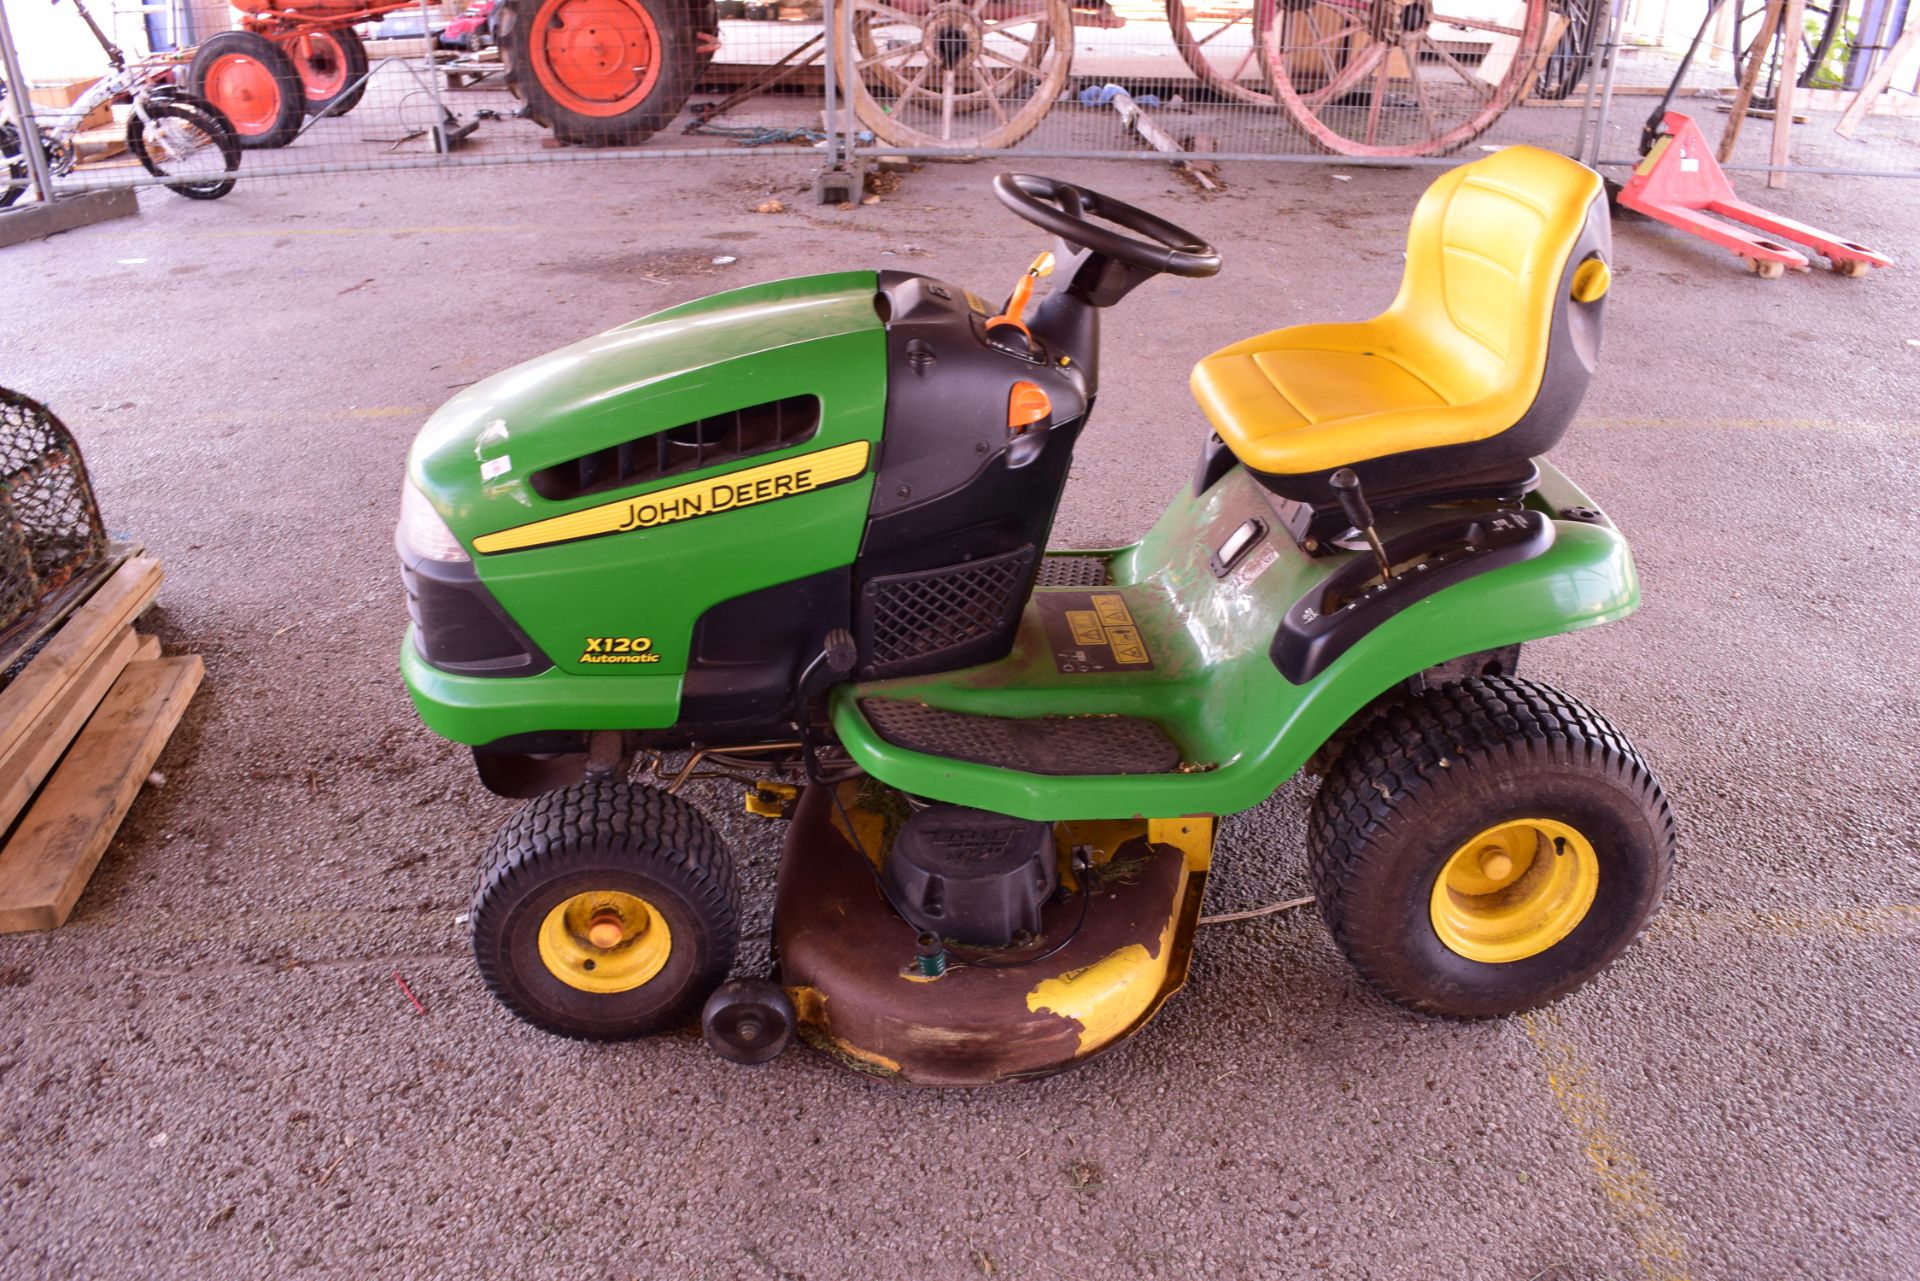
797,535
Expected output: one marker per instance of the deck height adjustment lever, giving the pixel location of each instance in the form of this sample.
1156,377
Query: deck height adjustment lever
1353,502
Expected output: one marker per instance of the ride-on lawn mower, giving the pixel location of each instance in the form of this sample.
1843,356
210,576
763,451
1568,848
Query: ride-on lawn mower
797,535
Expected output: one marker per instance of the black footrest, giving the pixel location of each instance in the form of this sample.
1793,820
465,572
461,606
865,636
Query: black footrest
1075,745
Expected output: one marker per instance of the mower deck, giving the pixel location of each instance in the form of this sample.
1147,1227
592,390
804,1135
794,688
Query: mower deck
847,958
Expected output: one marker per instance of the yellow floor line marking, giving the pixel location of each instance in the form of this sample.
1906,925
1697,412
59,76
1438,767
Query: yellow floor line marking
1657,1240
254,233
1898,428
1865,921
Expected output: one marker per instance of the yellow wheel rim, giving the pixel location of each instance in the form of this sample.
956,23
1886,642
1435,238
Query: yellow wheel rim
1515,890
605,941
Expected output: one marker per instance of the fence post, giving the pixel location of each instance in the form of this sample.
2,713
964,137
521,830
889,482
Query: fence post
21,108
1610,55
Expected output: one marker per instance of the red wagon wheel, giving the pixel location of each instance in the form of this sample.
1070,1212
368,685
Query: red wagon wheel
1220,41
251,80
1400,77
332,66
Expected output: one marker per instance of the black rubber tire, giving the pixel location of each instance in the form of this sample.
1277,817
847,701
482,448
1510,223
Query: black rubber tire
674,20
353,56
202,115
14,178
1566,66
1422,777
606,835
288,114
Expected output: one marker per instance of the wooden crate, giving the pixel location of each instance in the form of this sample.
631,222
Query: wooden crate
80,728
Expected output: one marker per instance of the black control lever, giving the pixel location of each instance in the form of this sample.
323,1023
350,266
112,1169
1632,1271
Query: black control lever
1353,502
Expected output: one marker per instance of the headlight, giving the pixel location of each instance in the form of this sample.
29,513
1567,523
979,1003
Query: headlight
421,531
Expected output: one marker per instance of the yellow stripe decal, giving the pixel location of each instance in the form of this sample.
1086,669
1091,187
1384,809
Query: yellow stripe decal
724,493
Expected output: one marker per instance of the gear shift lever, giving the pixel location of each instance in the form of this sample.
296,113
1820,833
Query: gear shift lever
1353,502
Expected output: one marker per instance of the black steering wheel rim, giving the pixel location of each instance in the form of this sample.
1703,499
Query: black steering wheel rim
1063,208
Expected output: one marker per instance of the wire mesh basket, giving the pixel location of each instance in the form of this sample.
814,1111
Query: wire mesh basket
50,529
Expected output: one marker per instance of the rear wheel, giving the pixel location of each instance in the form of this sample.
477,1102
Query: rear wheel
606,911
602,72
1488,847
189,143
332,66
254,84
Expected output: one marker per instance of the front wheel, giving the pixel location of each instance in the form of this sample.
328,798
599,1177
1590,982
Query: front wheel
1488,847
604,73
249,78
189,143
606,911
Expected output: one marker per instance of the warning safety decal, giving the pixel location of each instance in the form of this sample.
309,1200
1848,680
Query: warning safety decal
1092,632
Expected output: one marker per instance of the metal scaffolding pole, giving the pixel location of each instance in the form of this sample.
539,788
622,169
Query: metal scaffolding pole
21,108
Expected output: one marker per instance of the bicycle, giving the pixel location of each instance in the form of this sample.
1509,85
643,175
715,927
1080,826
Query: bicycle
176,135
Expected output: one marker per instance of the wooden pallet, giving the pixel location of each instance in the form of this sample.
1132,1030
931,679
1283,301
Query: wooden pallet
80,729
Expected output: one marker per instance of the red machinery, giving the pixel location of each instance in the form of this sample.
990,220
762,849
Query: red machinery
1680,183
599,72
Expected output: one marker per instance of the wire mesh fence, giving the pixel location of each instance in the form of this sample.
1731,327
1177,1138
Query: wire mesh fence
344,85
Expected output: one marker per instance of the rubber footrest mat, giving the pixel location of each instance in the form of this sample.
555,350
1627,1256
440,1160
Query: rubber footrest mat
1072,571
1076,745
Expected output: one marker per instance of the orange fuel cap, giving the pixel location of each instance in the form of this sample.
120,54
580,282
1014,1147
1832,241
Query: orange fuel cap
1026,406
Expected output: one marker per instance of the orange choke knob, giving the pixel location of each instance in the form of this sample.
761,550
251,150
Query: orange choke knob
1026,406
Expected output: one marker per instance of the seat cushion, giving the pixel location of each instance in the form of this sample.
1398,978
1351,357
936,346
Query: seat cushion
1458,358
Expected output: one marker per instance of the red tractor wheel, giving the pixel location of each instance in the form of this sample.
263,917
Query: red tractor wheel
251,80
605,73
332,66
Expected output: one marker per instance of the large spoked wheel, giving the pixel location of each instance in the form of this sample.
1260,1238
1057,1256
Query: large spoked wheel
1395,77
1822,26
603,73
190,143
254,85
1220,41
332,66
605,911
956,74
888,55
1572,54
1488,847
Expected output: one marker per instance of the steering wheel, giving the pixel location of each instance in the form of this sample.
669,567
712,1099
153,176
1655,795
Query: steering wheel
1067,211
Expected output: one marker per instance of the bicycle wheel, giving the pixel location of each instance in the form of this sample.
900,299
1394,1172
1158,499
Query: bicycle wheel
16,180
1821,29
1393,77
190,143
1220,41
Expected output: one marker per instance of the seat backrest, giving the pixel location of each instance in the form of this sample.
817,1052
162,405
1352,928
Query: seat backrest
1491,257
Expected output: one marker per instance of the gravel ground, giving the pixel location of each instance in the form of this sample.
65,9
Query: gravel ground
211,1069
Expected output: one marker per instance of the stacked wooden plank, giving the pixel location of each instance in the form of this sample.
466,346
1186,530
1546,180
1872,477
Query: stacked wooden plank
80,728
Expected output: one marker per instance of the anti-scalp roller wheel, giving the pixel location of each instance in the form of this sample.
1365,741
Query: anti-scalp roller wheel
748,1021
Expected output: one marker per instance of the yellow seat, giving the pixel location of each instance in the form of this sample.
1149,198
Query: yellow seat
1478,364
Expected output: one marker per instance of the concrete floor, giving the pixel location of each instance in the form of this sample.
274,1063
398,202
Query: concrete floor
211,1069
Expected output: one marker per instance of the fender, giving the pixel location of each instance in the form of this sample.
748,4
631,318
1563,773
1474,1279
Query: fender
1245,729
